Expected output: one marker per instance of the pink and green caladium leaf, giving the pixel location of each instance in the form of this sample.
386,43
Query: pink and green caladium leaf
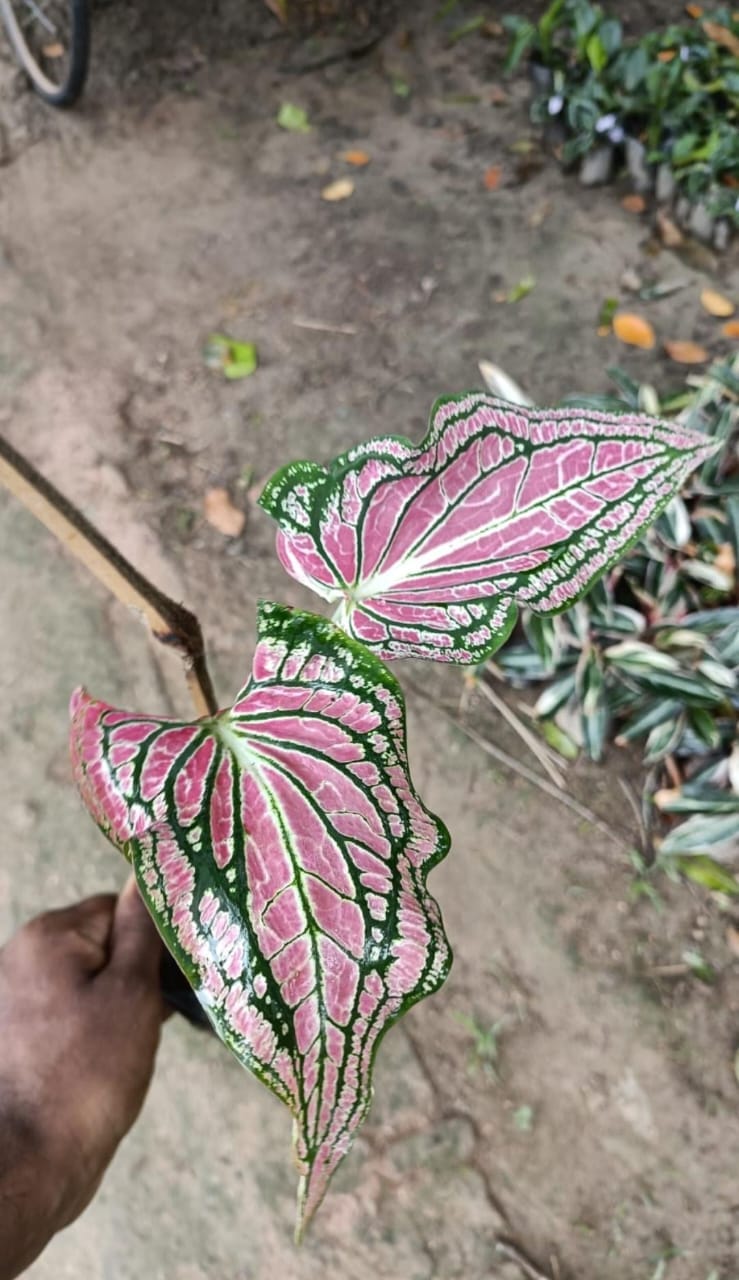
426,551
283,853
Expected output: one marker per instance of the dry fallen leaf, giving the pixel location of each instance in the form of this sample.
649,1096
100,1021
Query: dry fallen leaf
716,304
686,352
358,158
694,10
730,329
492,177
278,8
722,36
634,203
339,190
501,384
666,55
55,50
670,234
523,146
603,330
633,330
665,796
697,256
631,280
498,96
540,214
222,514
725,560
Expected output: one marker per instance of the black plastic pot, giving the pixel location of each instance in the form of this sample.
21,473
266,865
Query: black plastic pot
179,995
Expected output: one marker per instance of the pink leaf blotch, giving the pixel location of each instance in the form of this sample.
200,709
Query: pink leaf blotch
283,852
426,551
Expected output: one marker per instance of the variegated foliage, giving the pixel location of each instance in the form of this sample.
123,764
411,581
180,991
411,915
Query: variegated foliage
427,551
283,852
652,652
280,845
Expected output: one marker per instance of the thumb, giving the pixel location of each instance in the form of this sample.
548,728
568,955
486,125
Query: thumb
135,948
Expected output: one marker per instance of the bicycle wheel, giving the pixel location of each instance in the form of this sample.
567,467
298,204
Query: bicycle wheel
51,39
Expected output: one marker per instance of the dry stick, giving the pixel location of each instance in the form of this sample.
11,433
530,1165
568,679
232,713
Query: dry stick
668,971
523,770
170,623
636,810
534,744
509,1250
323,326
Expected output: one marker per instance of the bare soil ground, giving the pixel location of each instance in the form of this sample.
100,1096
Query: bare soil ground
601,1140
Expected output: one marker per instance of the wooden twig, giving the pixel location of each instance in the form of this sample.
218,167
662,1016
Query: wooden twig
507,1249
669,971
636,809
529,775
323,326
171,624
538,748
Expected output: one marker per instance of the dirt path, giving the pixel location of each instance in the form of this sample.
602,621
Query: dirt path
603,1143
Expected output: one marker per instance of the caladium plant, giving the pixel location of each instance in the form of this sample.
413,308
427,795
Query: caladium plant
283,853
426,551
279,844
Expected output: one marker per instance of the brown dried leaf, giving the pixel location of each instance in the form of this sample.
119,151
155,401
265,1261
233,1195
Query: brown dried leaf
634,203
722,36
725,560
342,189
731,329
666,55
278,8
540,213
55,50
670,234
683,352
631,281
673,772
694,10
716,304
498,96
358,158
221,513
492,177
633,330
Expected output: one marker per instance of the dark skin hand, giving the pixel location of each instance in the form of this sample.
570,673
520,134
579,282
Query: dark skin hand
80,1018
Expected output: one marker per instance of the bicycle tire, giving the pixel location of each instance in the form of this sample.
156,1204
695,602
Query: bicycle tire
66,93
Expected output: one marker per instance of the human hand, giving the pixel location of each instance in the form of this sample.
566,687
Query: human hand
80,1017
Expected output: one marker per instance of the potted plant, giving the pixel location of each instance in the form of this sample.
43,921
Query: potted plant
279,842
